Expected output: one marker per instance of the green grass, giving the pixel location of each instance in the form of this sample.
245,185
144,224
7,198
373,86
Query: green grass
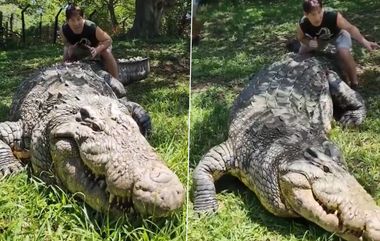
32,210
238,40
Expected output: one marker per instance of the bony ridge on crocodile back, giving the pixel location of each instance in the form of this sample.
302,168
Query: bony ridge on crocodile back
90,141
277,146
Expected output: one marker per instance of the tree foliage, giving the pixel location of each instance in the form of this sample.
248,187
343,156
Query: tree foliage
114,16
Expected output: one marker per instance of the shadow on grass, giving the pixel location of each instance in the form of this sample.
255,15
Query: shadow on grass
151,92
4,110
370,92
240,39
104,224
213,124
259,215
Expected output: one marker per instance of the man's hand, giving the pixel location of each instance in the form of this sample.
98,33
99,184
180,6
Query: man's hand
93,51
313,43
370,45
70,52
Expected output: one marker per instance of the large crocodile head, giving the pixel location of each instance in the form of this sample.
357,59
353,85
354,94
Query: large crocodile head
317,186
97,149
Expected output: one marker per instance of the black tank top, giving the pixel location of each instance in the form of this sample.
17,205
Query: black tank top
326,31
87,36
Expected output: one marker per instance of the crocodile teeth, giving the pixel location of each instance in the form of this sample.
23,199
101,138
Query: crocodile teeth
112,197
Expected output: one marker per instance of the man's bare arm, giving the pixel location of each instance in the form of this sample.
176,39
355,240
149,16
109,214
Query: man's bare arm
301,36
66,48
104,39
355,33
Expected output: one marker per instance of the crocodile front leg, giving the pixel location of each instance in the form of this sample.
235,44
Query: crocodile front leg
351,105
10,148
115,84
141,117
212,166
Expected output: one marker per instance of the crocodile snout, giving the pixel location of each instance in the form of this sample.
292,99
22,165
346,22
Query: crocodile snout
158,192
344,208
372,228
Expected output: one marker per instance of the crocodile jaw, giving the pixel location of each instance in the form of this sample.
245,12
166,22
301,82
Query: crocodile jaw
101,153
330,197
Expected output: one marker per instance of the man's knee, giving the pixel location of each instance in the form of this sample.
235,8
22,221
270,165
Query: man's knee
343,41
344,53
106,53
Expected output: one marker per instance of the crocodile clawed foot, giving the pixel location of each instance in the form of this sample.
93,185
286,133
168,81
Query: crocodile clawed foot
10,169
205,213
352,118
205,210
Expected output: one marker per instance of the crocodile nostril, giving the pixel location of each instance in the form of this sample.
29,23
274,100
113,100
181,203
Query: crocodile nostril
161,177
84,113
326,169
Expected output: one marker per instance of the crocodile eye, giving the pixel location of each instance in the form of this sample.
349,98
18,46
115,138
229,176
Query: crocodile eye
326,169
95,127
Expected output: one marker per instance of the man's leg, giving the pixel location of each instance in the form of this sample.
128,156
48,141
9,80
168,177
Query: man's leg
349,66
343,44
110,63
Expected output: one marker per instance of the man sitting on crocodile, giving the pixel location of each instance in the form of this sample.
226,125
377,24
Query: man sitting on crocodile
82,37
278,147
83,138
320,26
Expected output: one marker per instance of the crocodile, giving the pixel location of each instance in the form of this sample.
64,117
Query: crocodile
68,124
278,147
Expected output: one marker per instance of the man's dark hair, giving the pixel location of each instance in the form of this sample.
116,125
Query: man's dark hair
72,10
310,5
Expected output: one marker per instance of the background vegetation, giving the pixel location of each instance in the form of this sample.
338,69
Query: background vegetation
31,210
240,38
114,16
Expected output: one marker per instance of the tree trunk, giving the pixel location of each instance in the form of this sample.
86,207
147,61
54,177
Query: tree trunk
56,26
111,10
1,30
11,23
40,27
123,25
91,15
148,17
23,22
